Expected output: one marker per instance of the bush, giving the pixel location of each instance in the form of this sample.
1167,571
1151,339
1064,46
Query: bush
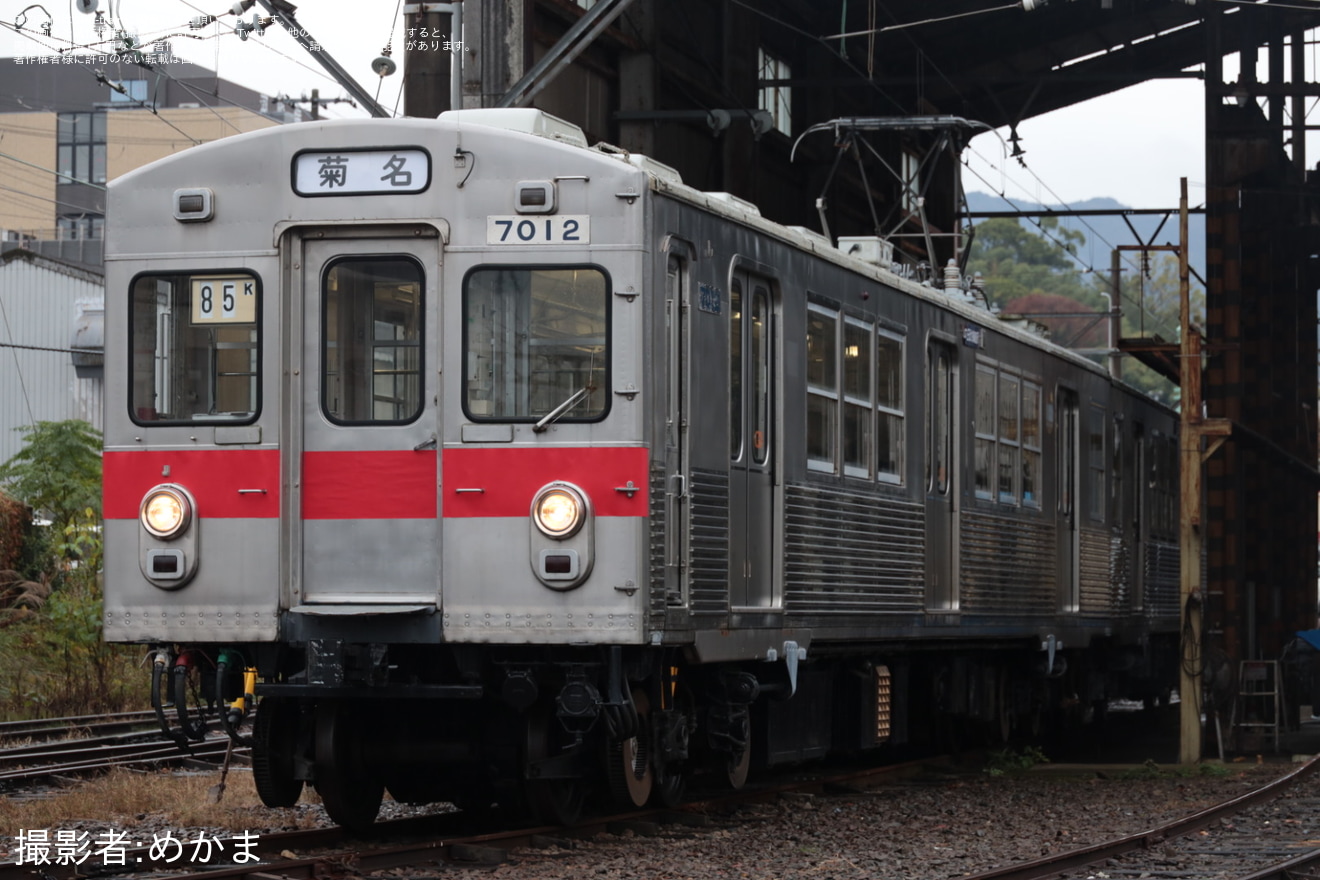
15,520
52,659
55,663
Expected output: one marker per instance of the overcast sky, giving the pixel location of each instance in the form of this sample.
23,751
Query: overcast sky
1132,145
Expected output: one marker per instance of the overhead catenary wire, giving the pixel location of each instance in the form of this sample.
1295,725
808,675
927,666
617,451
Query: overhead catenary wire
1089,268
1059,200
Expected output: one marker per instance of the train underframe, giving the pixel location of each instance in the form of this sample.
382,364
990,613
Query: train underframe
547,731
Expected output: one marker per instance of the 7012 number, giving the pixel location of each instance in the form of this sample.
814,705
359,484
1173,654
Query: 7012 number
559,229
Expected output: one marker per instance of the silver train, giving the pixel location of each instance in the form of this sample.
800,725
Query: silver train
486,466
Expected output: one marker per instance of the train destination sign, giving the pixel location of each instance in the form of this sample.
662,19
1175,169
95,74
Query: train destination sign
361,172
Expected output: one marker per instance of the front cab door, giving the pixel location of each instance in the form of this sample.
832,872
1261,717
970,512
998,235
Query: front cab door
368,471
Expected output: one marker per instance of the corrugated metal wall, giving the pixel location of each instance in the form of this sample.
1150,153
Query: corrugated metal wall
39,301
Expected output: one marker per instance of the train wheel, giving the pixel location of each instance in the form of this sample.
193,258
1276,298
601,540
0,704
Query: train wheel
736,771
629,761
352,794
554,801
669,792
274,739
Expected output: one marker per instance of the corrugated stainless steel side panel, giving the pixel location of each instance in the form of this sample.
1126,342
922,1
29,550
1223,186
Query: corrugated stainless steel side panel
1097,598
709,544
1120,574
41,300
1163,579
848,551
1008,564
657,545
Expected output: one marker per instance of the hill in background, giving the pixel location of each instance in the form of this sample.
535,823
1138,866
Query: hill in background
1103,234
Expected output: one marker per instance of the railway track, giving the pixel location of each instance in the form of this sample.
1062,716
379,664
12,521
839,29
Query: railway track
1268,833
32,766
88,744
447,837
46,729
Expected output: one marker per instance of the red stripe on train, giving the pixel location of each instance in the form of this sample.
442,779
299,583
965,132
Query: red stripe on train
213,476
386,484
509,477
369,485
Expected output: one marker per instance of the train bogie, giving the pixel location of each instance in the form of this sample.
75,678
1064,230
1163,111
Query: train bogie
495,468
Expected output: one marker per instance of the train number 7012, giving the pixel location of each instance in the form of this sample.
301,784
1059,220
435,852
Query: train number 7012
557,229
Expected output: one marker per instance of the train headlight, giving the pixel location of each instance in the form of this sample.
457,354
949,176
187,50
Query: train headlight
559,510
166,512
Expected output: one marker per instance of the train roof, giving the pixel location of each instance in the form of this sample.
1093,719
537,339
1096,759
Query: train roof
666,180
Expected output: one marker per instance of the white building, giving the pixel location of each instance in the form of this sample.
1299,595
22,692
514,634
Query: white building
49,311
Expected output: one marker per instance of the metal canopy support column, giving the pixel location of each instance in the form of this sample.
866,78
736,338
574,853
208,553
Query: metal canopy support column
1261,234
575,40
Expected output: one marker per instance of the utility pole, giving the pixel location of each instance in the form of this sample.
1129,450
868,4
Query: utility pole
1193,428
316,102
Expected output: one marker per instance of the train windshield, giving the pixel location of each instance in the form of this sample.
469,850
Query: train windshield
535,339
196,352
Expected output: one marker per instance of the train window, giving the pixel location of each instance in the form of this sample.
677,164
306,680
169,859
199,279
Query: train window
889,407
1009,403
858,412
536,339
822,388
941,423
373,376
1164,488
985,431
760,374
675,276
1031,444
195,347
1006,454
735,370
1096,463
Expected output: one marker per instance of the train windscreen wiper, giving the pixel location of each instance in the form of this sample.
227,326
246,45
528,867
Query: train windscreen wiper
576,398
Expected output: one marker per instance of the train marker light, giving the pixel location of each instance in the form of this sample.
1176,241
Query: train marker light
166,511
537,197
559,510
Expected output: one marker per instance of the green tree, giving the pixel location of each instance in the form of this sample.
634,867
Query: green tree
58,472
1016,262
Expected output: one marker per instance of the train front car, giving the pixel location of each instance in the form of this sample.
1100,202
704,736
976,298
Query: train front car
374,456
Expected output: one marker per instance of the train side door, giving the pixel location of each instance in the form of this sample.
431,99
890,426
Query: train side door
368,471
1069,457
752,550
676,432
941,478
